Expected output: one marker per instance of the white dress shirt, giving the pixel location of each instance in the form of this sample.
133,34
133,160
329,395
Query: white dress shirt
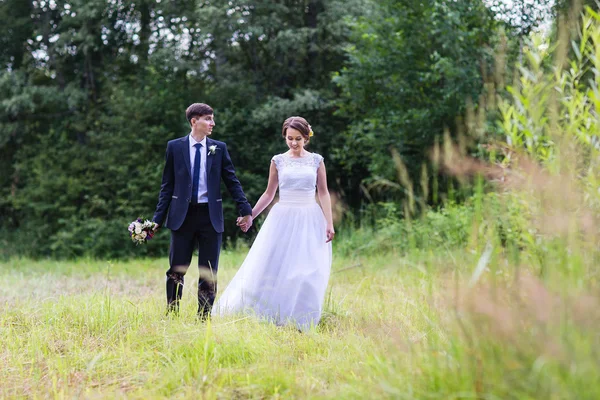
202,185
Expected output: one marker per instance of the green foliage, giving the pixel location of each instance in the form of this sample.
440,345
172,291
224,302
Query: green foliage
274,60
75,184
552,115
98,89
545,178
92,91
413,66
505,218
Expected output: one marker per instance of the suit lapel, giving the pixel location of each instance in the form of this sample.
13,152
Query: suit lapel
209,157
185,148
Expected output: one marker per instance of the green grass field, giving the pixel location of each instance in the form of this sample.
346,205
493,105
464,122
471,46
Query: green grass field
394,327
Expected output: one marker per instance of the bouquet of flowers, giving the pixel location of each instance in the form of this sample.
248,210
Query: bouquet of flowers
141,231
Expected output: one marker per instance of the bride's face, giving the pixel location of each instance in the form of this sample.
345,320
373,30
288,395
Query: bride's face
294,140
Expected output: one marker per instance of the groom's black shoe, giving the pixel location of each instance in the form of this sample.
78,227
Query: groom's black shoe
174,291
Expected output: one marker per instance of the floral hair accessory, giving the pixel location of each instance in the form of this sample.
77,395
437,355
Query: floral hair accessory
310,131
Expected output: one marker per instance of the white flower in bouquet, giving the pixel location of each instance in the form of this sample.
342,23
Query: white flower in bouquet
148,225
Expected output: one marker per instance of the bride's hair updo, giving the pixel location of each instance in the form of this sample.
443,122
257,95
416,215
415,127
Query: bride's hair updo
299,124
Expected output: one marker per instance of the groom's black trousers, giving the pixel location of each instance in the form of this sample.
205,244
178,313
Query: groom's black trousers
197,230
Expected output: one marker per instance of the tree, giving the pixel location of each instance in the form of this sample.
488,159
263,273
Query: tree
412,67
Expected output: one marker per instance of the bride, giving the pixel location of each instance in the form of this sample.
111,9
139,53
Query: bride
286,271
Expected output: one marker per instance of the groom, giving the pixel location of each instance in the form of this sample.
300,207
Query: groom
190,200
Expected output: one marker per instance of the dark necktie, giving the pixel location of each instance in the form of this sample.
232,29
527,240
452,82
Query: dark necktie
196,179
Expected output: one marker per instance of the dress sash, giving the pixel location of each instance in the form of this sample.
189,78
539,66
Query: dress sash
296,197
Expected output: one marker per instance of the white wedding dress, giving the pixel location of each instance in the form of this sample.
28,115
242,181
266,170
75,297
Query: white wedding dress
285,274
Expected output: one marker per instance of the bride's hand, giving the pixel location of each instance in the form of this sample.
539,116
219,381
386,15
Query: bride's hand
330,233
244,223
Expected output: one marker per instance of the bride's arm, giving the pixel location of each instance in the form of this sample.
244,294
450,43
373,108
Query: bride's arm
269,194
325,200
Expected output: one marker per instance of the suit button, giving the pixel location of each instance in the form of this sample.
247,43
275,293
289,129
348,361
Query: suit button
188,199
189,185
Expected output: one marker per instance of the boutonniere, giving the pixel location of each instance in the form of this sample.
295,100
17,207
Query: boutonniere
212,149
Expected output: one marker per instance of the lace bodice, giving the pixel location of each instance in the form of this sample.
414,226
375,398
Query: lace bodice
297,175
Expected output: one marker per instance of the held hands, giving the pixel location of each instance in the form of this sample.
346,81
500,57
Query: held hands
244,223
330,233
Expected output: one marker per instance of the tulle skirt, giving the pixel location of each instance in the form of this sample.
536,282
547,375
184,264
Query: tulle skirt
285,274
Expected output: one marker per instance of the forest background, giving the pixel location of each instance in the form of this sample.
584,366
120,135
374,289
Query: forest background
91,91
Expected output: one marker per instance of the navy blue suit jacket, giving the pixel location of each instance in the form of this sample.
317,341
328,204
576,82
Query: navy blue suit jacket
176,188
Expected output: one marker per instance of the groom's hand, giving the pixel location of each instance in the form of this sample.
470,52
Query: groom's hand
244,223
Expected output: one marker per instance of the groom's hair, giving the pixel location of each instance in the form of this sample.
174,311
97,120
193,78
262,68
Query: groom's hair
297,123
198,110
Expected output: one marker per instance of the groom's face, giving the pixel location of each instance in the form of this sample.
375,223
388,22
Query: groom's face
203,125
